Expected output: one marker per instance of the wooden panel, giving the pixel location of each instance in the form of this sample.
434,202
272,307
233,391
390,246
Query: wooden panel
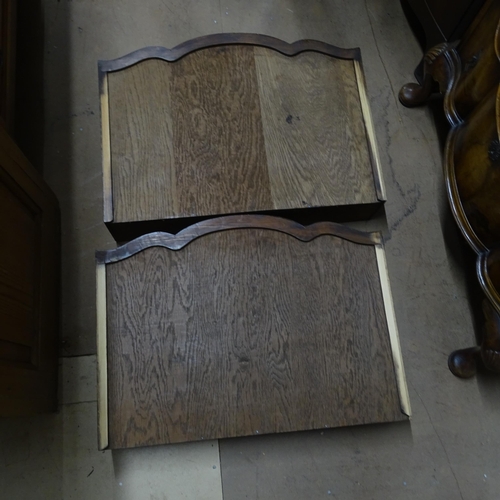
143,174
316,142
247,331
233,128
212,162
219,145
29,279
19,269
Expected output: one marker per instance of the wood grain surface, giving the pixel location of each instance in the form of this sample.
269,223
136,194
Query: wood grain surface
235,128
142,153
220,157
316,143
248,331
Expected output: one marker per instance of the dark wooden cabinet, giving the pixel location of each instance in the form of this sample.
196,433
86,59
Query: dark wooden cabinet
29,258
29,278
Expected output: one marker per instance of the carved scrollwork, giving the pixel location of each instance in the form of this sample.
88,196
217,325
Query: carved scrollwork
435,52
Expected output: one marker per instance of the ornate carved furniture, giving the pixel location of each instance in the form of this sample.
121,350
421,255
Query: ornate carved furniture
469,76
246,323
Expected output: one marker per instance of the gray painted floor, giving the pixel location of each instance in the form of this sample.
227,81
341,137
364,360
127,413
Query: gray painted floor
449,449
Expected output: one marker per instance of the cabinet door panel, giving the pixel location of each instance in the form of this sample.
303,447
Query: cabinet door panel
29,276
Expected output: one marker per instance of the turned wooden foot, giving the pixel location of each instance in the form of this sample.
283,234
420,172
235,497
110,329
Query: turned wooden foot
439,66
414,94
463,363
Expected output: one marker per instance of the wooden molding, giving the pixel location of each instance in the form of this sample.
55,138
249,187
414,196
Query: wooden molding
203,42
102,360
454,196
106,149
489,288
370,132
186,236
393,330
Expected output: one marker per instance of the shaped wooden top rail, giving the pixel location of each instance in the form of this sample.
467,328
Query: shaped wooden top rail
187,235
204,42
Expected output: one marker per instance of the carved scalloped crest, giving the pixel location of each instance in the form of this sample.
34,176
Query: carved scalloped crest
187,235
204,42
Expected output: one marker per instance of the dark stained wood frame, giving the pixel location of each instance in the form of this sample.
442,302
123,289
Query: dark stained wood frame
204,42
178,241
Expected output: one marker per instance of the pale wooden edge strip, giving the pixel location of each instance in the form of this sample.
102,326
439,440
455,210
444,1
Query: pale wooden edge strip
393,330
102,361
106,150
219,468
370,131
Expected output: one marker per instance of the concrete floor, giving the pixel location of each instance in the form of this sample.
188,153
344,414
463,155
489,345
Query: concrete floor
449,449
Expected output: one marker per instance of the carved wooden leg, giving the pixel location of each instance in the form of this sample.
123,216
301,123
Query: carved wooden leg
439,66
490,348
463,362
